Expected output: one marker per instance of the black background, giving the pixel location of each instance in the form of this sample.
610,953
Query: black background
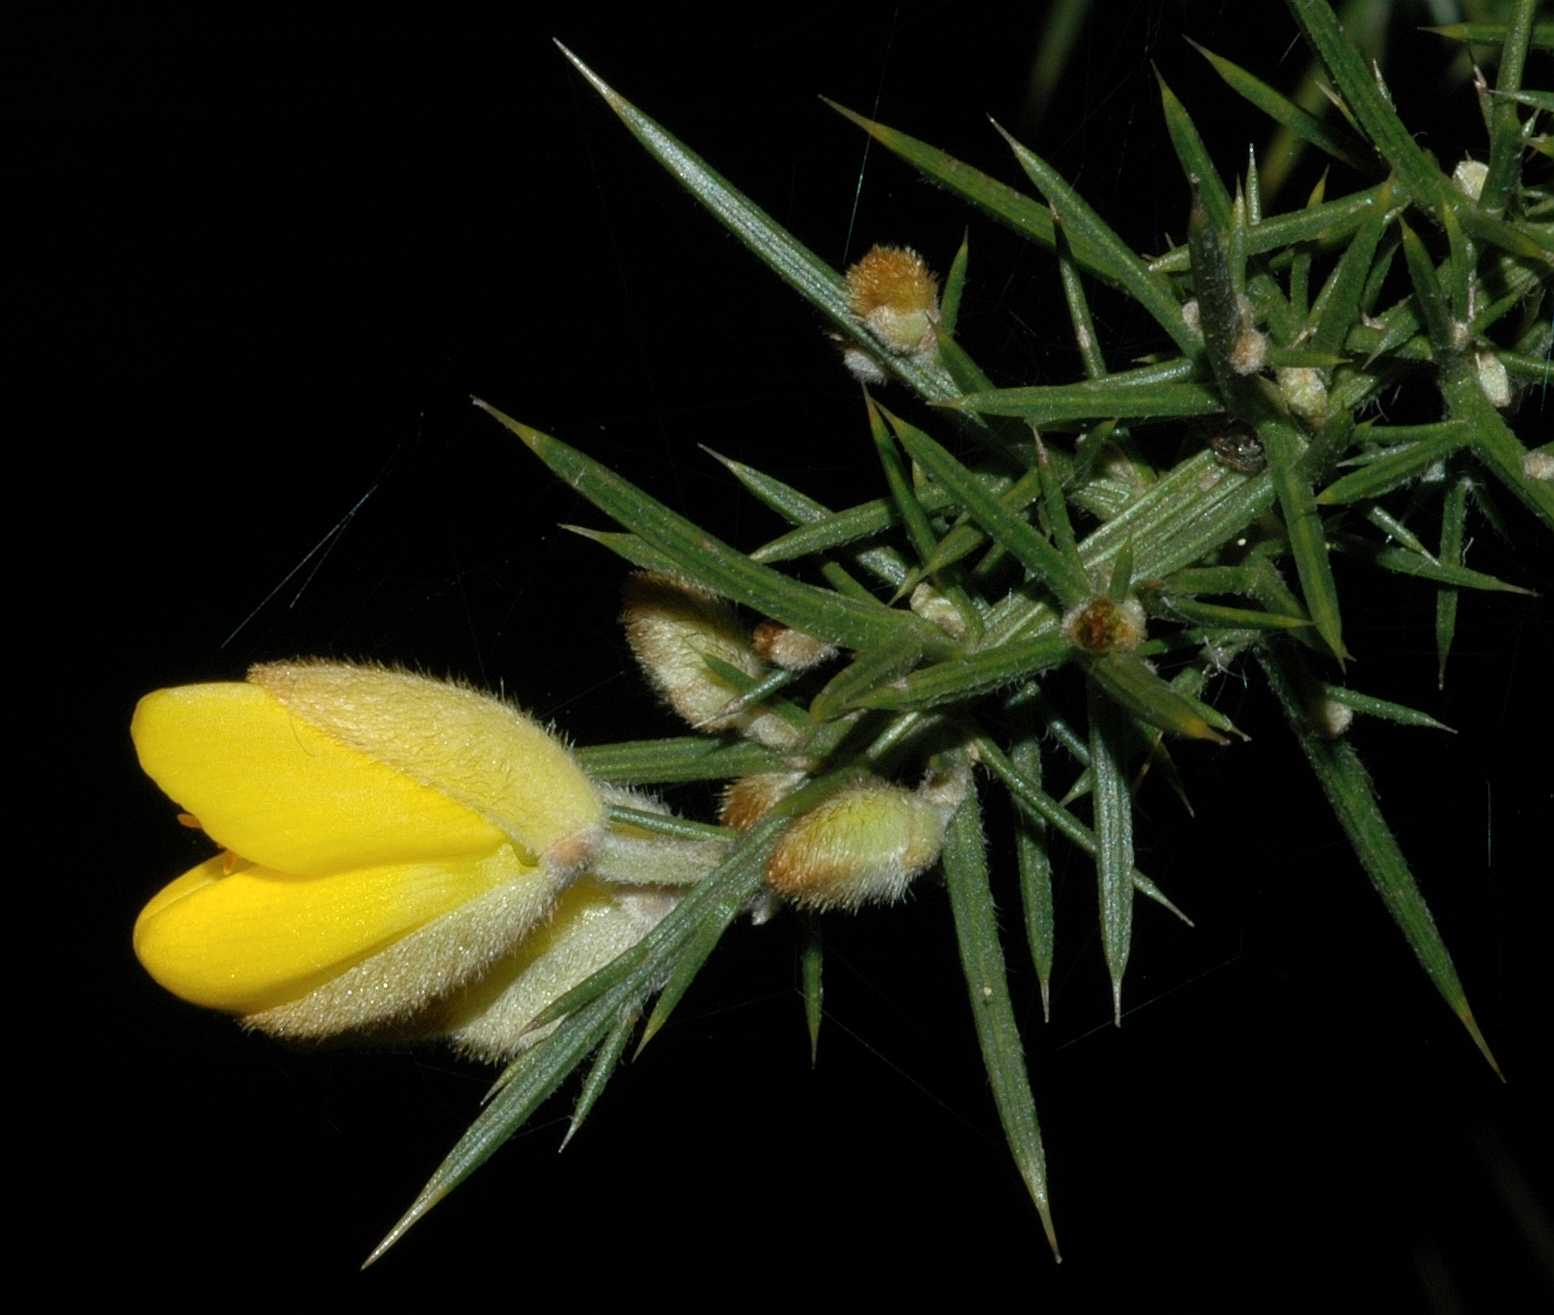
277,253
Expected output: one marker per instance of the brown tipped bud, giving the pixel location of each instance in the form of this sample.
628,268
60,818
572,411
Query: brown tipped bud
790,649
1104,625
673,626
893,292
865,844
747,800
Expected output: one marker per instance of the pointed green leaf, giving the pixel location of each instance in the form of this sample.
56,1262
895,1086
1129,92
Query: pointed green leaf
1356,82
1102,400
1445,337
1127,680
1113,805
1505,129
1037,803
1337,308
631,547
1402,561
687,758
811,963
1308,542
606,1059
854,683
1088,231
961,678
1335,140
820,285
1387,711
1193,155
1014,209
1035,866
1454,515
1348,788
1233,618
1539,100
1078,307
1395,467
954,287
819,612
1493,34
1012,531
982,961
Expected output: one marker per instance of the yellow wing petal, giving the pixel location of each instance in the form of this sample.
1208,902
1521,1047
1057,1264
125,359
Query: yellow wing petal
257,938
271,786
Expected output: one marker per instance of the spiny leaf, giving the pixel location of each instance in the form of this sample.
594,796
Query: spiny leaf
820,285
1120,263
960,678
1129,682
1106,399
811,963
1386,710
1193,155
1038,804
1454,514
1388,471
982,961
606,1059
819,612
1012,531
1035,866
1338,306
669,761
1493,34
1348,788
1338,143
1308,542
1113,805
1356,82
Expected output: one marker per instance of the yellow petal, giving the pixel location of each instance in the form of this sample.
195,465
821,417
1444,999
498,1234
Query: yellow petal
257,938
466,745
272,787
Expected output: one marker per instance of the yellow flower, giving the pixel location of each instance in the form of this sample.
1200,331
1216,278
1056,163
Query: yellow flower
389,838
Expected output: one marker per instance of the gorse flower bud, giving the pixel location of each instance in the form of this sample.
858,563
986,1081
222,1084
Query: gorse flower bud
673,627
790,649
747,800
866,843
895,294
389,838
1104,625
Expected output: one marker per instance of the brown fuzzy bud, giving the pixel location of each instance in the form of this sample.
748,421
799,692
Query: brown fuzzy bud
1104,625
747,800
893,292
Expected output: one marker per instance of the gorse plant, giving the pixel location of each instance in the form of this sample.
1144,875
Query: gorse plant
859,682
